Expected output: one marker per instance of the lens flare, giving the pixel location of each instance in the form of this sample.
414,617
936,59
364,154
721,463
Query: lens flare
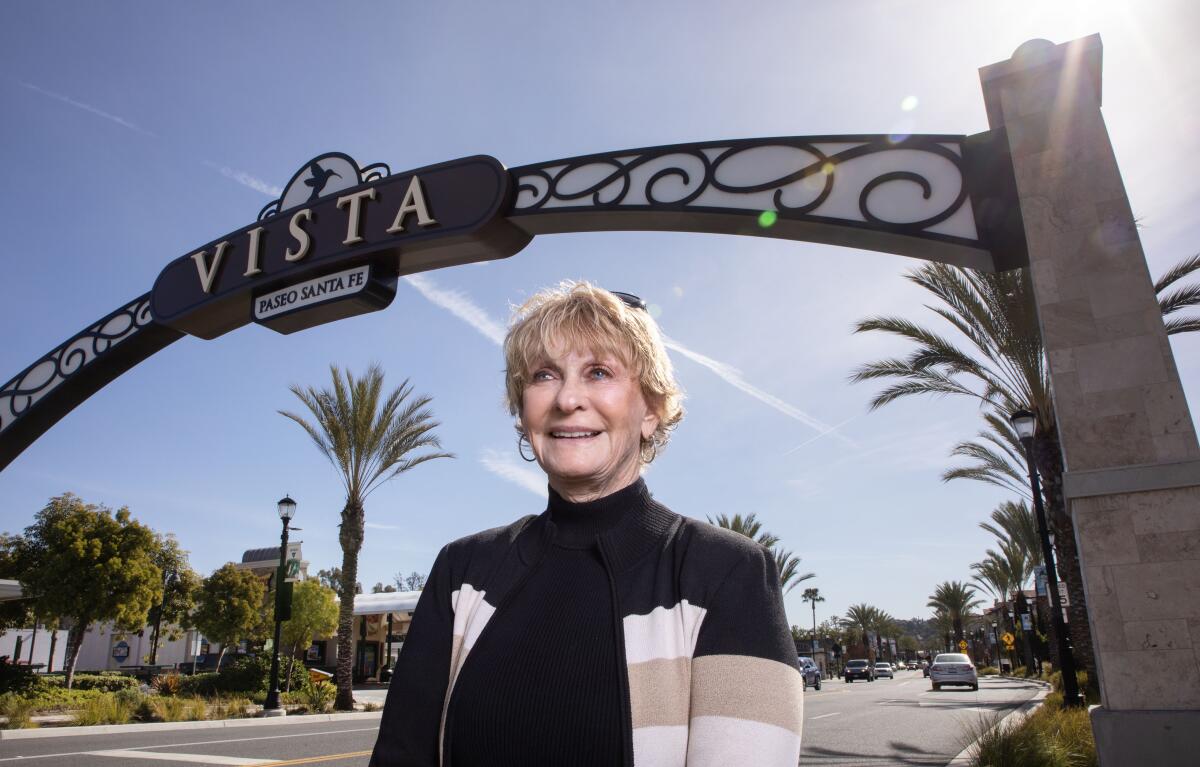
767,219
909,103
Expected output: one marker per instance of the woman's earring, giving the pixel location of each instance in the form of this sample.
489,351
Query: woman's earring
521,442
653,450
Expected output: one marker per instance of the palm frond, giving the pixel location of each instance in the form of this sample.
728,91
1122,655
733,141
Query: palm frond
1177,273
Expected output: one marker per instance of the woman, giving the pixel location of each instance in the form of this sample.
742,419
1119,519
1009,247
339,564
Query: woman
607,630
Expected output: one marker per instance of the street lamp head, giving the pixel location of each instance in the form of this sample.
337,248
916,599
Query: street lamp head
287,508
1025,424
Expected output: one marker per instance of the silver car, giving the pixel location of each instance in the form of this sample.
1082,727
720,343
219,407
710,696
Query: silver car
884,669
953,668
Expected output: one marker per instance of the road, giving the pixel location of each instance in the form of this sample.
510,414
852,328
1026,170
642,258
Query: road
887,722
899,721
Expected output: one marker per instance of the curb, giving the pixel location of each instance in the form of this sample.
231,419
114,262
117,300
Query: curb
110,729
964,757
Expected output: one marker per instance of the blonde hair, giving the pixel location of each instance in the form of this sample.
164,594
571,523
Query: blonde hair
581,315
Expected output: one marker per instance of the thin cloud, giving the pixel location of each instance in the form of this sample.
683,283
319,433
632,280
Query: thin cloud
474,315
88,108
506,467
377,526
460,305
734,378
245,179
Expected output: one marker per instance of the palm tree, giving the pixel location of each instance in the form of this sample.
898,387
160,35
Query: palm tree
883,625
786,563
748,526
1016,523
860,619
812,596
1006,370
1180,298
956,600
369,439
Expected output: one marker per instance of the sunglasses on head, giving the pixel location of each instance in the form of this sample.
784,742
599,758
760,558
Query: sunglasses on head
632,301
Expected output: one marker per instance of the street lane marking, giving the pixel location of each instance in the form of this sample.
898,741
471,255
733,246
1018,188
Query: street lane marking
823,716
315,759
166,757
193,743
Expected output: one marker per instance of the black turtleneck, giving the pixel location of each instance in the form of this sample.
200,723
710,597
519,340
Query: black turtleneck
543,685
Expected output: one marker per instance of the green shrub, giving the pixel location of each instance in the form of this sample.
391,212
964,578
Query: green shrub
167,684
106,681
59,698
16,678
319,697
206,684
18,710
989,670
105,709
250,674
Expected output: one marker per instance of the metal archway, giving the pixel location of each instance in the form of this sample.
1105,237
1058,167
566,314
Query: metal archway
325,249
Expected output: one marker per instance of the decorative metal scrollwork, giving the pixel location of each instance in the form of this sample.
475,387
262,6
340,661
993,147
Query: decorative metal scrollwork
67,360
914,185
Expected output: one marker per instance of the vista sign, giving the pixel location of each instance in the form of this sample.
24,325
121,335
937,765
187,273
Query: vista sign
333,245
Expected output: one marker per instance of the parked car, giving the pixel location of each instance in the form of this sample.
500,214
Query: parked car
859,669
953,668
884,669
810,672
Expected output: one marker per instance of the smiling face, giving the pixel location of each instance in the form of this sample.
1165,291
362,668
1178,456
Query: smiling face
586,416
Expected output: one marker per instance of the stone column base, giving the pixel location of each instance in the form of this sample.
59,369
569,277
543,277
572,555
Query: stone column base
1160,738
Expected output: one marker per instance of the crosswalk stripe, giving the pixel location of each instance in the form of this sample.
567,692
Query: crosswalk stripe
164,756
315,759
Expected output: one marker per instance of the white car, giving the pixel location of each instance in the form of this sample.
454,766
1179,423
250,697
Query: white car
953,668
884,669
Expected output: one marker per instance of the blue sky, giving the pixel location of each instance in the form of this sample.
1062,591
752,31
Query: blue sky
133,133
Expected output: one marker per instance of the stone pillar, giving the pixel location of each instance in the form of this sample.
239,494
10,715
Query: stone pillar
1132,479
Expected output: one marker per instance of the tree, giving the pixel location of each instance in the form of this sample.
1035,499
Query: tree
314,616
380,588
812,596
786,563
88,563
369,439
1180,298
229,606
414,581
748,526
1006,371
179,586
860,619
955,600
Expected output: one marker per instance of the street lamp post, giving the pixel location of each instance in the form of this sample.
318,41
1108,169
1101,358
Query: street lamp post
996,641
1025,424
287,509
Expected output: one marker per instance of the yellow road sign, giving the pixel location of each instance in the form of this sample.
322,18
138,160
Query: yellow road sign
962,644
1007,638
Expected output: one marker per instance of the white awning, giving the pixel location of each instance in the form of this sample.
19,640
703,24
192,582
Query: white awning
10,590
386,602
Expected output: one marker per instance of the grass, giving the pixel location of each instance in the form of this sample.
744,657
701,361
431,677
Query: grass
106,709
1051,736
18,710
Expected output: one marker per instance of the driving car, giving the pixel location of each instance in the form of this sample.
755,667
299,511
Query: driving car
953,668
884,669
810,672
911,665
859,669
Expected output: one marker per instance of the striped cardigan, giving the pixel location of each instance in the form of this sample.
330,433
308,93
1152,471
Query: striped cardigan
711,675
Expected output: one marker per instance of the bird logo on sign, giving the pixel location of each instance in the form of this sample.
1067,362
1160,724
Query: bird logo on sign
320,177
